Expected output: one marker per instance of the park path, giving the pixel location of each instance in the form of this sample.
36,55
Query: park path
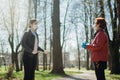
86,75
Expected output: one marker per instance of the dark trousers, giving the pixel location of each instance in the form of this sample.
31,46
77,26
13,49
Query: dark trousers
99,69
29,66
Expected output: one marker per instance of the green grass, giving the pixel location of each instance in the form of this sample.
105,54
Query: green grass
111,76
45,75
39,75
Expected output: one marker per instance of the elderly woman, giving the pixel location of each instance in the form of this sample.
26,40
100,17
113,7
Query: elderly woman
99,48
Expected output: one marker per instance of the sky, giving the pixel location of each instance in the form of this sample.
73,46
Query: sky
21,11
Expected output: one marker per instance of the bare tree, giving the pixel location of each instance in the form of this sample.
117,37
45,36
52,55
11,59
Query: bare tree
51,39
45,34
11,24
64,24
65,30
75,19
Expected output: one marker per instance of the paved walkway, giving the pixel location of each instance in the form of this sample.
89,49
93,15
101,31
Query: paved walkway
86,75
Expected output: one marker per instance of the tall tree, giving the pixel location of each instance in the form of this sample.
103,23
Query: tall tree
114,43
57,51
11,25
74,19
118,14
86,11
64,24
45,34
35,7
11,32
51,39
65,30
78,46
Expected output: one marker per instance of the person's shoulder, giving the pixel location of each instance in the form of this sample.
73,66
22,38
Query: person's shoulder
101,34
26,33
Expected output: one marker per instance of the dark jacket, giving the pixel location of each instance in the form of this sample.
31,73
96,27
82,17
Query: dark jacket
28,41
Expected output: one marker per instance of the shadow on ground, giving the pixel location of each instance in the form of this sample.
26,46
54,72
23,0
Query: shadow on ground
74,78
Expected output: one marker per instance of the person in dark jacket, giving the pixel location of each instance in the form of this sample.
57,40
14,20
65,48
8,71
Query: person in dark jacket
30,45
99,48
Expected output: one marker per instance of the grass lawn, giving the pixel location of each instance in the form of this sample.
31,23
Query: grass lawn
45,75
39,75
111,76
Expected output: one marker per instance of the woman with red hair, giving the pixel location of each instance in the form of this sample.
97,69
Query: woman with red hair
99,48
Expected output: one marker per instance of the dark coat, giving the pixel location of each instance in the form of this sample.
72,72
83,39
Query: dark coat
28,41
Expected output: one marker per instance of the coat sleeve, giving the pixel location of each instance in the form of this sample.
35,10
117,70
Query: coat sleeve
24,44
40,49
99,44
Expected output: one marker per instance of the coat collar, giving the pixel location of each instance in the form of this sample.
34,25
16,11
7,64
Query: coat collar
32,33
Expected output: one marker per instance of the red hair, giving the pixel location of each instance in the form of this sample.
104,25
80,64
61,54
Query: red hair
101,21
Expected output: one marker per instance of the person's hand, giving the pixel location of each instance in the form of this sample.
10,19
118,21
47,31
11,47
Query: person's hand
84,44
39,51
34,52
45,51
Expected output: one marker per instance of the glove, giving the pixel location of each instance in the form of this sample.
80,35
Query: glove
84,44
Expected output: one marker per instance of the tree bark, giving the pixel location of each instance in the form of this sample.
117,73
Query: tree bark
45,34
57,51
51,39
114,47
78,47
86,32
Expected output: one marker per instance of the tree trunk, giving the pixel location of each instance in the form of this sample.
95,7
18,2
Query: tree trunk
86,32
115,66
35,8
21,64
51,39
45,34
102,13
51,50
64,26
118,14
78,48
57,51
16,62
114,44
